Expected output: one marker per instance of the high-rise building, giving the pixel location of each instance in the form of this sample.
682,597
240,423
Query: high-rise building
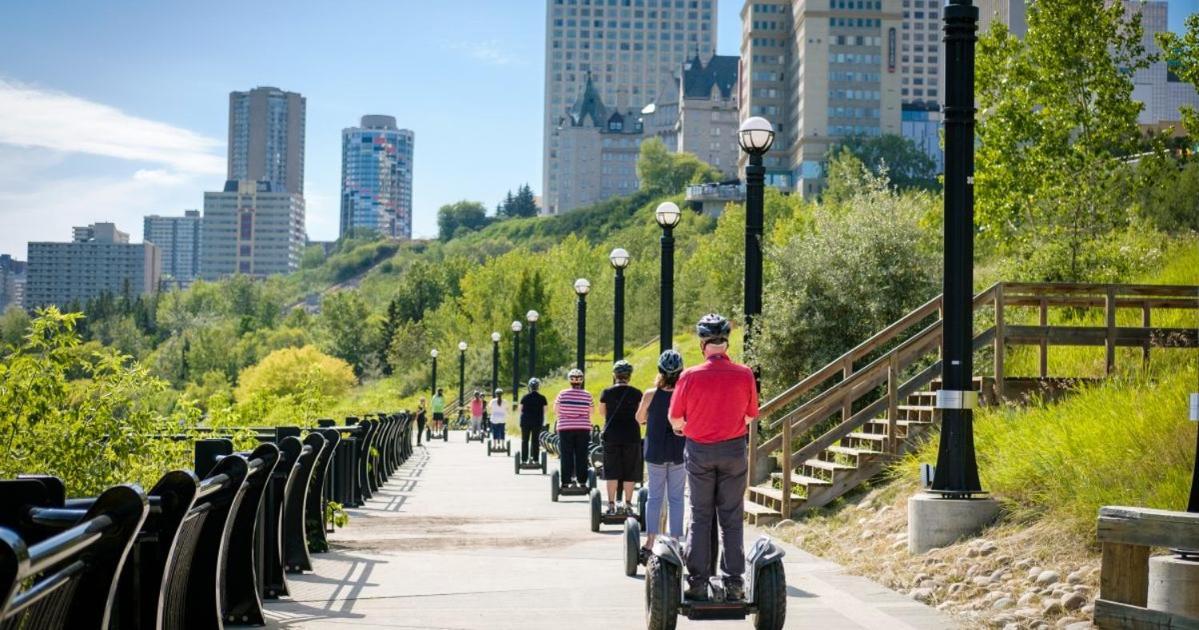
178,238
376,177
1012,13
819,71
1158,87
627,51
697,112
248,228
12,282
599,148
266,138
99,260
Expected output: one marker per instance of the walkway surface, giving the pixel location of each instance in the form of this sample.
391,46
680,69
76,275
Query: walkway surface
456,540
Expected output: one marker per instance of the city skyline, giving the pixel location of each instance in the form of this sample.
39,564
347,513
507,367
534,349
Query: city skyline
142,129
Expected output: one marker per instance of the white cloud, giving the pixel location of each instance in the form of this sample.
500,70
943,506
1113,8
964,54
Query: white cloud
488,51
34,117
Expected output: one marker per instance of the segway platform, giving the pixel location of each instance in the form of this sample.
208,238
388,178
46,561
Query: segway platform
506,449
601,517
444,435
557,490
518,465
475,436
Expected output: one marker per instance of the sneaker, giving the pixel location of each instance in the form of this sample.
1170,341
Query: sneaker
643,555
734,590
697,591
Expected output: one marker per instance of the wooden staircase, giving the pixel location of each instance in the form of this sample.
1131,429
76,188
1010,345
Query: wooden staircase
845,423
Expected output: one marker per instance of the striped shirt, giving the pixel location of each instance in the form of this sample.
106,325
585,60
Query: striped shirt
573,408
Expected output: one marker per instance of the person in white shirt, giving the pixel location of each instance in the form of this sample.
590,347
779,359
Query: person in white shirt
499,416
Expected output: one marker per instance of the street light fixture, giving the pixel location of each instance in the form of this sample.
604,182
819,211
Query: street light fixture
668,216
582,288
755,136
495,362
433,353
532,316
516,328
619,259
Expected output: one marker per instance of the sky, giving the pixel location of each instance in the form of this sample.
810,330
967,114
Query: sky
113,110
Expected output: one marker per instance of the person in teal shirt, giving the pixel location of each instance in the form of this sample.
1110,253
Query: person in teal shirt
437,406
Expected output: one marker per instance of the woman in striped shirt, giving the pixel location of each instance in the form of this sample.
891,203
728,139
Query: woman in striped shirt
573,408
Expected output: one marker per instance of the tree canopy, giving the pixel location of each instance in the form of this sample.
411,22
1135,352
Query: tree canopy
460,217
663,172
905,164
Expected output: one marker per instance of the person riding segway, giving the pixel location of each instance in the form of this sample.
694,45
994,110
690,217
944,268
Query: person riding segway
621,440
532,418
499,416
437,406
572,407
664,458
475,432
712,404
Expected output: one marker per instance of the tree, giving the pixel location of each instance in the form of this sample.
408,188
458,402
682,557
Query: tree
1057,117
346,328
288,372
905,164
663,172
522,204
460,217
1182,56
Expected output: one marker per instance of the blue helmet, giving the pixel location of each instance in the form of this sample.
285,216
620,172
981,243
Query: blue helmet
670,363
714,328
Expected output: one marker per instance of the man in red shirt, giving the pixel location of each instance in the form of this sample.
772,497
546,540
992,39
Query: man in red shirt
712,404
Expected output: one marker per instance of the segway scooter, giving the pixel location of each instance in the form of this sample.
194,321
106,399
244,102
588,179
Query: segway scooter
600,517
632,537
557,489
477,436
765,588
506,449
518,465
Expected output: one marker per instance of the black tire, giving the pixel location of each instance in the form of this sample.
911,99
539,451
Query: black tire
508,447
663,592
591,478
642,500
544,462
555,485
488,448
445,434
770,591
632,545
594,495
516,464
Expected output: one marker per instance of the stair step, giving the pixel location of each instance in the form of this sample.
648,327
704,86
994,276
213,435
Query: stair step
774,494
873,437
760,515
829,466
916,407
850,452
801,480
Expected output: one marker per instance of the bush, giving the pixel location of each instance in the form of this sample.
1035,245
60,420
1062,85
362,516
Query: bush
295,371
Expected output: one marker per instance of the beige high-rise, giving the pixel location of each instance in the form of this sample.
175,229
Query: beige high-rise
266,138
630,47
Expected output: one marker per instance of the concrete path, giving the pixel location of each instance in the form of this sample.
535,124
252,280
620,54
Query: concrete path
457,541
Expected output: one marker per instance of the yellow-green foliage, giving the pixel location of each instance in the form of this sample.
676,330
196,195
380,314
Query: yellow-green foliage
291,385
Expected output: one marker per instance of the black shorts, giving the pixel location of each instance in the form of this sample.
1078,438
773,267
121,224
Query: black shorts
622,462
438,416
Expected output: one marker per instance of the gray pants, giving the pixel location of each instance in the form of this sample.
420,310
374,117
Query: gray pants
716,474
666,485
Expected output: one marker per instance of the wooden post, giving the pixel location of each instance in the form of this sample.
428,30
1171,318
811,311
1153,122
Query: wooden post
1145,323
1000,337
892,401
940,317
1044,337
1124,574
1110,308
847,406
786,468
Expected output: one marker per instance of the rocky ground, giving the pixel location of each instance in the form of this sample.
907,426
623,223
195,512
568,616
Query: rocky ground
1012,577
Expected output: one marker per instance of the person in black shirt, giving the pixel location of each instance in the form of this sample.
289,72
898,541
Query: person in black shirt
622,434
663,452
532,420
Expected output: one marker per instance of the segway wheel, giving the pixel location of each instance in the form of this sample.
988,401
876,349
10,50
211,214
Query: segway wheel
591,478
555,485
429,435
488,447
544,462
594,495
445,434
508,447
632,545
663,592
770,593
516,464
642,500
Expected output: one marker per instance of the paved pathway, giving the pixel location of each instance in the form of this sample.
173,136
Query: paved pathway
457,541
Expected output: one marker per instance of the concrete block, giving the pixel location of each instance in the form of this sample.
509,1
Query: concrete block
1174,586
934,522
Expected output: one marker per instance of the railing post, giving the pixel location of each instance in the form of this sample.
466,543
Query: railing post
1145,323
1044,337
786,468
940,318
751,478
892,402
1110,308
1000,339
847,406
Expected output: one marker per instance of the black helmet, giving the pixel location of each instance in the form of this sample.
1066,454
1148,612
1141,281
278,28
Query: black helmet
713,328
622,368
670,363
534,384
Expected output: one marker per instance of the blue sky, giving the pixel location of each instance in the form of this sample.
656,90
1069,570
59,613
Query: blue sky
116,109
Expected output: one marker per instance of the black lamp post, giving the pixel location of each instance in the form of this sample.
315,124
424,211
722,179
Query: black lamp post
957,471
516,328
755,136
532,316
461,377
433,386
667,215
495,362
582,288
619,259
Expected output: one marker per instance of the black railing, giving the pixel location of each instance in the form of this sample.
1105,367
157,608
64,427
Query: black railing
202,549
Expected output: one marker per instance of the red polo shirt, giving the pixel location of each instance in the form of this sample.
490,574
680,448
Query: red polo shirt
714,398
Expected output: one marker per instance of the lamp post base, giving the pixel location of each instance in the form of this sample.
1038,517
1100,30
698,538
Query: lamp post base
1174,586
935,522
